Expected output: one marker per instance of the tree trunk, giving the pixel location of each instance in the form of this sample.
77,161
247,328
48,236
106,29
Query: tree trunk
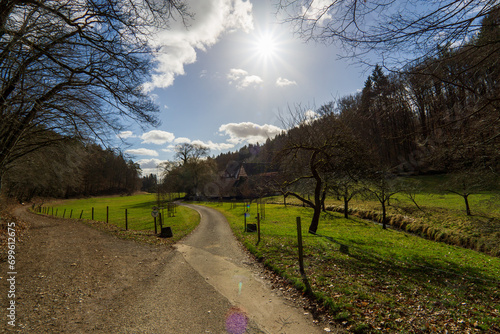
317,194
467,207
323,198
346,208
383,216
315,219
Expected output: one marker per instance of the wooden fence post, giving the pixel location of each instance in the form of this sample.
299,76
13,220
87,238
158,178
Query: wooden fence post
107,214
258,228
71,213
301,257
64,213
126,220
81,214
301,254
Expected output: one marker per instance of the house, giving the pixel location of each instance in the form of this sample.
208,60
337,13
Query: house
242,180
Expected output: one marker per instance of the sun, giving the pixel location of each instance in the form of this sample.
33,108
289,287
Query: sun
265,49
265,46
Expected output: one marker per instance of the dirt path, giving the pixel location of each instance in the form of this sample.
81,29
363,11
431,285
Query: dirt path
74,279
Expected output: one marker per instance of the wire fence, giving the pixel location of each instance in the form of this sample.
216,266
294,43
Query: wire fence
137,219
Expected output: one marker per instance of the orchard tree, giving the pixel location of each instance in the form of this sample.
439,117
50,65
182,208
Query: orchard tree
383,185
471,181
313,148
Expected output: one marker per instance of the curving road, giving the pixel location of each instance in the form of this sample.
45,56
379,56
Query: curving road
74,279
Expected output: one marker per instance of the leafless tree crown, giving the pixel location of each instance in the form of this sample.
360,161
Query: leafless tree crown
74,67
393,29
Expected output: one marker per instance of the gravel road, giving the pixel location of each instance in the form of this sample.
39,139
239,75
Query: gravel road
72,278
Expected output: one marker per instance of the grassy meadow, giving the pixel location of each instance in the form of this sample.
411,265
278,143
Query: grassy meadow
440,215
140,221
383,281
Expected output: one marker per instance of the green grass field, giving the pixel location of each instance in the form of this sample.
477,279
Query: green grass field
139,207
441,216
387,281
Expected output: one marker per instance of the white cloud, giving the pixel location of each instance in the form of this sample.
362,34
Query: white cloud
149,166
209,144
319,10
142,151
249,132
214,146
157,137
282,82
177,46
149,163
236,73
126,134
310,116
241,79
177,141
170,148
182,140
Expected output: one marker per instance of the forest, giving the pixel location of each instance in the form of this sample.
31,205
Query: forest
71,169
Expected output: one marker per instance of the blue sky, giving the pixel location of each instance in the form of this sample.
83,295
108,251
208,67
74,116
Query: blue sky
224,81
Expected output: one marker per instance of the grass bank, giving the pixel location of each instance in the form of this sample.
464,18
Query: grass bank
140,221
383,281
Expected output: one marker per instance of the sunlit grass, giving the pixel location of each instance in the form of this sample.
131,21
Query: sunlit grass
138,207
439,216
386,279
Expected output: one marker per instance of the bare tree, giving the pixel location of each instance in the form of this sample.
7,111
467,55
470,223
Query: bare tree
74,68
187,152
393,29
383,185
192,170
314,148
345,188
467,182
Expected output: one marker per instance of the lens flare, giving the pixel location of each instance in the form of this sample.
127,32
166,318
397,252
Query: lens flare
236,321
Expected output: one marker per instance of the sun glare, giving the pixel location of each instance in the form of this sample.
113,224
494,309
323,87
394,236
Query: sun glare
266,46
266,49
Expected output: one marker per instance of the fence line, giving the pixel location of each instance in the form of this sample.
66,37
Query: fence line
148,224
